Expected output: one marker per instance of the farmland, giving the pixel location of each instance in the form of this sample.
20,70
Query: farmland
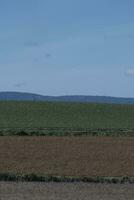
67,156
82,165
45,118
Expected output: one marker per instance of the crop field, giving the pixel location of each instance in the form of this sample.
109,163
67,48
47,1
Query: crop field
44,118
67,156
65,191
82,165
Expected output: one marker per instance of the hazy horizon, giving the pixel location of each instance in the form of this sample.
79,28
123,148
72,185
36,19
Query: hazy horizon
16,91
69,47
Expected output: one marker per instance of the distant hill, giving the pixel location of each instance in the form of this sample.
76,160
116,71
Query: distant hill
19,96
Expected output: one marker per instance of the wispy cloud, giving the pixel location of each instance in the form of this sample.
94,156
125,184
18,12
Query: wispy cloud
130,72
19,85
31,44
119,36
48,55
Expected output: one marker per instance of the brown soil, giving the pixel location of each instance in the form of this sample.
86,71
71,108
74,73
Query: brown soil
70,156
65,191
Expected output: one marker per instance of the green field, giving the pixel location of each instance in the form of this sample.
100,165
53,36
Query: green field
59,118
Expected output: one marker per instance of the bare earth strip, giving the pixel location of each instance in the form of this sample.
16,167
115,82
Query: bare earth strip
68,156
65,191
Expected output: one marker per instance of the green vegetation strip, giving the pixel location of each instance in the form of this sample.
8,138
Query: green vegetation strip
70,115
65,132
61,119
50,178
33,177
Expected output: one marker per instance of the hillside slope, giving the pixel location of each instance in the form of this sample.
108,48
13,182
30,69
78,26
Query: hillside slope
18,96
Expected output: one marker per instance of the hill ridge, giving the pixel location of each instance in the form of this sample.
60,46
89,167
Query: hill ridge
24,96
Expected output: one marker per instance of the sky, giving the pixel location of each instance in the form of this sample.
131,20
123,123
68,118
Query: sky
67,47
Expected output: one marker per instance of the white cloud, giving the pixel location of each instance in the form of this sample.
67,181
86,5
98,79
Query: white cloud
130,72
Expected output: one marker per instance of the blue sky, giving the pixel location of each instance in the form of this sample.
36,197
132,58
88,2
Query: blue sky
64,47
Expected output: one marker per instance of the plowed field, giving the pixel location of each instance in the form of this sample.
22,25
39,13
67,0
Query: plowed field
69,156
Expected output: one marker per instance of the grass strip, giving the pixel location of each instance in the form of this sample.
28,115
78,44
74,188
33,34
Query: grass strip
51,178
66,132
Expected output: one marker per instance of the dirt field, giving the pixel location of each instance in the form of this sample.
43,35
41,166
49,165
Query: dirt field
65,191
70,156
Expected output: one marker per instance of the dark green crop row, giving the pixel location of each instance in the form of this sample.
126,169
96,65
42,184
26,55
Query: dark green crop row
50,178
65,132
